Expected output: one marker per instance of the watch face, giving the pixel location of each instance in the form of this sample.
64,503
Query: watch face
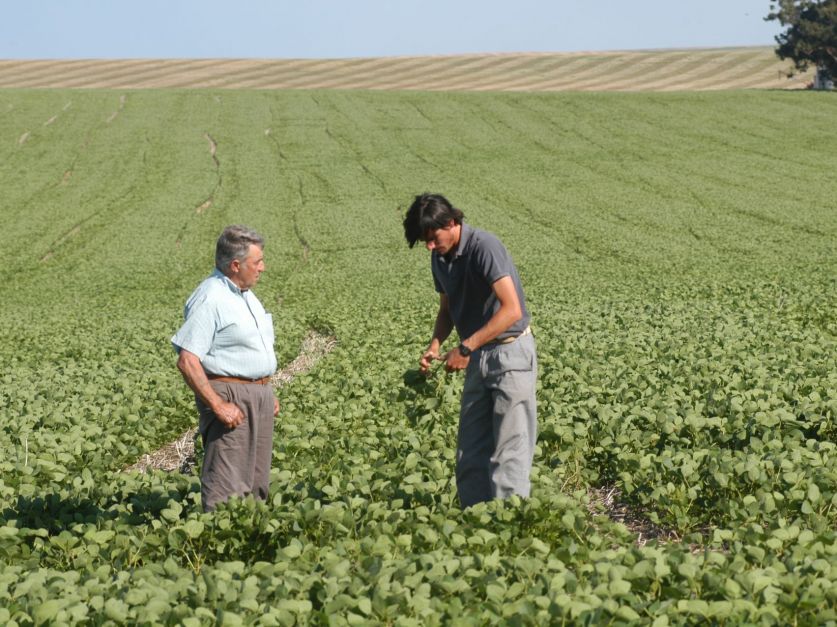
464,350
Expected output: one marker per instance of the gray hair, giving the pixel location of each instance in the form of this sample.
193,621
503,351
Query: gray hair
234,243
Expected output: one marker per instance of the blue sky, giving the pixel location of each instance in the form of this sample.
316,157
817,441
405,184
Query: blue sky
67,29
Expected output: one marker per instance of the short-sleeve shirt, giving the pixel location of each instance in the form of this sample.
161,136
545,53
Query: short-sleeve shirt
228,329
479,261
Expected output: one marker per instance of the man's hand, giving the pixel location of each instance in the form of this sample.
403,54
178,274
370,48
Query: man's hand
427,359
190,367
275,407
454,360
229,414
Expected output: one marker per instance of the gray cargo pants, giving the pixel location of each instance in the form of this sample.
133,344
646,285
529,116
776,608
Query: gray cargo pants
236,461
497,422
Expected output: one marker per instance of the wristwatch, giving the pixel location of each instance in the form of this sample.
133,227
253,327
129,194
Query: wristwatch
464,350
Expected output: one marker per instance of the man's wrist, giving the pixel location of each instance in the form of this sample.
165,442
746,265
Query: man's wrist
464,350
215,403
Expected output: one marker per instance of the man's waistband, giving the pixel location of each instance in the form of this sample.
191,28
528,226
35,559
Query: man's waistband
217,377
511,338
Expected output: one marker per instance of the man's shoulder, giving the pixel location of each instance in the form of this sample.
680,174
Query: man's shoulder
212,289
485,241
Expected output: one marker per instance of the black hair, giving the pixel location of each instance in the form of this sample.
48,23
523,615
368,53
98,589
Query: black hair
429,211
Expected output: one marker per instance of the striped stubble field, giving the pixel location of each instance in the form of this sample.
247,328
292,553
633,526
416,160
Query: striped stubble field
678,252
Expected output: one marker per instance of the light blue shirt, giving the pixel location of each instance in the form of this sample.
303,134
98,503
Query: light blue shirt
228,330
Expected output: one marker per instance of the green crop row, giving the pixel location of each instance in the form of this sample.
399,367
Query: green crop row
677,251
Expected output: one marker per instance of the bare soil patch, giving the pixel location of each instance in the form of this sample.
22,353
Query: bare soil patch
213,147
608,500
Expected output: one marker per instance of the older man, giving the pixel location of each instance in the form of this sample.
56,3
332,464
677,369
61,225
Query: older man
226,356
480,294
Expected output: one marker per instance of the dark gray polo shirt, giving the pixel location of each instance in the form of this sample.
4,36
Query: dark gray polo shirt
466,278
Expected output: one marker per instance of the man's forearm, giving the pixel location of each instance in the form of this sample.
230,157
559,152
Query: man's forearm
502,319
509,312
195,377
442,328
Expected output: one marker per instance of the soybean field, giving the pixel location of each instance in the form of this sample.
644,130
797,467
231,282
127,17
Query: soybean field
679,255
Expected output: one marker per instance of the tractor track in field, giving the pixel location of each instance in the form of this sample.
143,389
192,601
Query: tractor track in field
207,202
213,150
89,221
268,132
300,189
421,112
113,116
770,221
67,174
306,247
344,143
72,232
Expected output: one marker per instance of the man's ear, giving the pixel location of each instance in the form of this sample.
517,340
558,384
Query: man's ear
235,265
451,223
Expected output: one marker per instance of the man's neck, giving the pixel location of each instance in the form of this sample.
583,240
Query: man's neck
456,231
232,279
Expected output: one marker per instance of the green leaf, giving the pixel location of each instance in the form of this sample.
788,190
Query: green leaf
619,588
193,528
694,606
568,519
116,610
292,551
627,613
365,606
48,610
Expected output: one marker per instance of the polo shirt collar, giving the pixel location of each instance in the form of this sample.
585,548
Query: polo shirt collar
465,234
227,281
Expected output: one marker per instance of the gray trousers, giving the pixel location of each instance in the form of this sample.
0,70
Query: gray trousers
237,461
497,422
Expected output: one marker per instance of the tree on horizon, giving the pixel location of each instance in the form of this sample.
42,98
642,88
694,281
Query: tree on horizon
810,36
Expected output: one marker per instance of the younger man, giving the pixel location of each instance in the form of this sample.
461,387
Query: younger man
480,294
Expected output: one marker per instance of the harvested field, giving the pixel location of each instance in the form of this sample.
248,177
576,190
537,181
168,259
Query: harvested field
639,70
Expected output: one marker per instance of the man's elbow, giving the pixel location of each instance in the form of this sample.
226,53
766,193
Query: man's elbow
184,362
515,312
